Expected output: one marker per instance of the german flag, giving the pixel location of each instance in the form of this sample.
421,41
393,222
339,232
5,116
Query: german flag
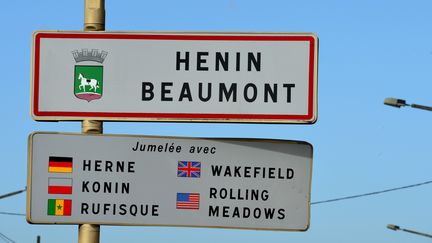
59,207
60,164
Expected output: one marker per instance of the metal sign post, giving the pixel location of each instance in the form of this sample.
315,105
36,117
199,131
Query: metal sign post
94,20
90,179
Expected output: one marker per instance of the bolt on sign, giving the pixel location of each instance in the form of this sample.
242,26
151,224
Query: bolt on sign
190,77
169,181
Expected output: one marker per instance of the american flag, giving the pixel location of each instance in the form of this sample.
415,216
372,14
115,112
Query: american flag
188,201
189,169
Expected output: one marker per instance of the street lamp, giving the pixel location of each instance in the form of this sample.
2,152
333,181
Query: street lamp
400,102
396,227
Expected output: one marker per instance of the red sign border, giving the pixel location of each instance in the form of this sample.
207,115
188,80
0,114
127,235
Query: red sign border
216,117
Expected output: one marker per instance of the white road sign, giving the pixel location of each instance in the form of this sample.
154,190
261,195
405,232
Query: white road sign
198,77
167,181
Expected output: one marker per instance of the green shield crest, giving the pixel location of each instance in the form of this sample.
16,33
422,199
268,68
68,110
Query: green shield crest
88,82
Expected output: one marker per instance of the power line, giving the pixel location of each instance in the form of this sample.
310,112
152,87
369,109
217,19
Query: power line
9,195
6,239
372,193
14,214
318,202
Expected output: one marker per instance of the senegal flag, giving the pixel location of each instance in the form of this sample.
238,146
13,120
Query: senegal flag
59,207
60,164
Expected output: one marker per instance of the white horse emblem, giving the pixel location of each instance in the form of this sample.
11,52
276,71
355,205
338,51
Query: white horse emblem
93,83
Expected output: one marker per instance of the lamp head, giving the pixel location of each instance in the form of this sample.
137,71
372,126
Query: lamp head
395,102
393,227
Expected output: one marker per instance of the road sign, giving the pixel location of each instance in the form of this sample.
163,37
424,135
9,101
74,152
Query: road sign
194,77
168,181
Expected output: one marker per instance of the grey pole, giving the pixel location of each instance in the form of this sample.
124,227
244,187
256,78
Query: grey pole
11,194
94,20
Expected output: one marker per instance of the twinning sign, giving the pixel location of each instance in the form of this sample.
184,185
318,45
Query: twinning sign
198,77
165,181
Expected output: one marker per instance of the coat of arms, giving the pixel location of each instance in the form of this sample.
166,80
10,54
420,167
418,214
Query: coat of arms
88,78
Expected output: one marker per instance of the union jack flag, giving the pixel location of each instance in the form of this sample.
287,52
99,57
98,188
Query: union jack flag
189,169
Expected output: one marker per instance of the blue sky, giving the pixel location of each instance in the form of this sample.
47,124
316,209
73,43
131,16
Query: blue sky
368,50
